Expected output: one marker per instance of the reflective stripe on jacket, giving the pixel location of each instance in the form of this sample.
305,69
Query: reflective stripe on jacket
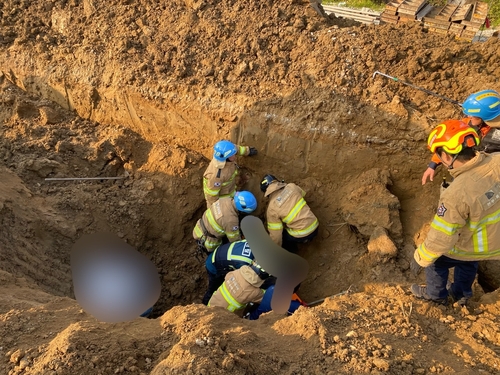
240,287
219,183
232,256
220,220
467,223
288,209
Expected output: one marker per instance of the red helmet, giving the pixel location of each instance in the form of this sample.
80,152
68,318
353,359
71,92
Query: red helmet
453,136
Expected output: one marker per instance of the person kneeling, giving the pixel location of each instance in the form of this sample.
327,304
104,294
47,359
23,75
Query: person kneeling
240,287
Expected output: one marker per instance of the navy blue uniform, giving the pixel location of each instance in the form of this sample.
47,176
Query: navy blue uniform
225,258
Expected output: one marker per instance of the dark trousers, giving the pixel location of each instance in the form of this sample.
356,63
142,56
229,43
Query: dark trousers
214,282
290,243
437,277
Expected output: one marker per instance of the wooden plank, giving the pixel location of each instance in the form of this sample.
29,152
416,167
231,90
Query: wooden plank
480,12
393,5
344,10
462,20
433,13
402,18
437,26
462,12
391,8
411,6
439,31
407,13
446,12
385,16
435,21
472,24
354,16
368,17
481,8
468,32
354,13
389,20
391,12
457,31
456,27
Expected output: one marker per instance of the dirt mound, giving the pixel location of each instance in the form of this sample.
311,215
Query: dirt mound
96,56
141,91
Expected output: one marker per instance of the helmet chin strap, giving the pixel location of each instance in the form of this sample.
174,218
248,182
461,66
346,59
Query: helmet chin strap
449,166
452,161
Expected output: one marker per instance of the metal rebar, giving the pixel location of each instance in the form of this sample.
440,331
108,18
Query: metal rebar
418,88
335,295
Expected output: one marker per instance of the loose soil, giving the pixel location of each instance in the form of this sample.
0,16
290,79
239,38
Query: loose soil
142,90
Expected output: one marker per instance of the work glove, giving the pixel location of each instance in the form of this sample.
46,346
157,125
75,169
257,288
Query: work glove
253,151
415,267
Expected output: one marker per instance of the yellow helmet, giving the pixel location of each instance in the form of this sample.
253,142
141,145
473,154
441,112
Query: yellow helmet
453,136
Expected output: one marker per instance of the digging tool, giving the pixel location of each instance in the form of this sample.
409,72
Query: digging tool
418,88
314,303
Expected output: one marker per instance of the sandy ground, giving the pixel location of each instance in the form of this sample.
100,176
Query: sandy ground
142,90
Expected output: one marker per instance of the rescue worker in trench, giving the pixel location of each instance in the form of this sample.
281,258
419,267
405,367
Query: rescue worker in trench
466,226
219,177
225,258
289,219
249,288
483,111
240,287
222,220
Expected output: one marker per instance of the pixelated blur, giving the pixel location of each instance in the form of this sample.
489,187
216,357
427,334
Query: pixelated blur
289,269
112,281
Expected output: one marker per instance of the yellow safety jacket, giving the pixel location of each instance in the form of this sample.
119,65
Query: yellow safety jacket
288,209
219,178
466,225
239,288
220,220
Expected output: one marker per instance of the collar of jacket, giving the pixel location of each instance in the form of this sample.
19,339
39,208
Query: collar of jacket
474,162
249,275
274,187
219,164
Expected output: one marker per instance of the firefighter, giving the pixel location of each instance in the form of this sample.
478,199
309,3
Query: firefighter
466,226
240,287
288,210
483,109
219,177
225,258
222,220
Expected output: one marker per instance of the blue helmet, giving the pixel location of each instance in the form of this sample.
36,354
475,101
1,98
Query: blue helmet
245,201
484,104
224,150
